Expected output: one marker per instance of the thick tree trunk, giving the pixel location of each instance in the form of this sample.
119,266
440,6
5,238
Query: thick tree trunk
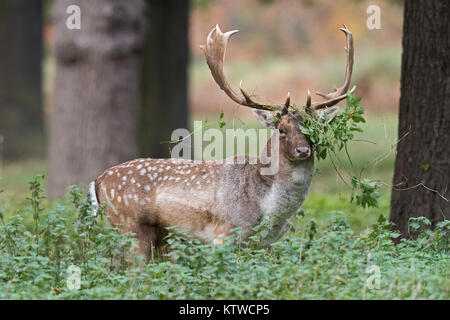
21,120
422,166
164,76
97,89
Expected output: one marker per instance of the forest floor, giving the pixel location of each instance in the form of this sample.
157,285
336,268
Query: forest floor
334,250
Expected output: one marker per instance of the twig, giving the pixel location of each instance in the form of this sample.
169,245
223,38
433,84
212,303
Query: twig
420,184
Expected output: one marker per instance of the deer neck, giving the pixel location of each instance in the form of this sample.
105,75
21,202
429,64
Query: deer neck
286,189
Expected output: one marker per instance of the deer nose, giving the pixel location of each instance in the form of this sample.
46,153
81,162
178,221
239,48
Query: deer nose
303,152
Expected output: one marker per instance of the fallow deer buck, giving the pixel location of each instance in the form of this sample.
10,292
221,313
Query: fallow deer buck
209,198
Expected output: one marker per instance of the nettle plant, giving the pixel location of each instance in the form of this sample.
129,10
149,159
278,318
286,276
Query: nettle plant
326,259
330,136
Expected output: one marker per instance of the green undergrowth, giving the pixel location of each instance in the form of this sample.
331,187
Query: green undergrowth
61,251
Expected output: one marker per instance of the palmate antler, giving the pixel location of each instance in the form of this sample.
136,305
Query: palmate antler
340,93
215,49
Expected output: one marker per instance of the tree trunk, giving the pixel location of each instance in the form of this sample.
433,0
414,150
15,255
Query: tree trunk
164,76
21,120
97,89
422,168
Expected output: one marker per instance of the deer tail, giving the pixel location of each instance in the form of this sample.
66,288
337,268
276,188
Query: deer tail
93,197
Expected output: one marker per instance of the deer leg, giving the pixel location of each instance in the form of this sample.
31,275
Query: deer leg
220,231
147,236
219,239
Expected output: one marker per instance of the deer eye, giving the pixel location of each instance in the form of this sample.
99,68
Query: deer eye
282,131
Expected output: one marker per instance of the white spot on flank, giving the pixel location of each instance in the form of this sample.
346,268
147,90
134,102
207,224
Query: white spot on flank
143,171
130,172
192,177
130,196
177,179
119,187
136,198
125,200
138,185
189,171
165,178
118,174
119,198
110,173
147,164
132,180
147,188
112,193
168,167
139,166
160,170
124,178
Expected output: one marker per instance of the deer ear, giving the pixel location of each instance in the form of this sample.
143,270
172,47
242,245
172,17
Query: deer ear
265,118
329,112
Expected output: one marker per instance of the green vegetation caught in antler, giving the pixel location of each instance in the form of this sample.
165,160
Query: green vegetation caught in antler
331,137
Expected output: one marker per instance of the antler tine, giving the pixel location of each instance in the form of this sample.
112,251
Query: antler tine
215,49
340,93
287,103
308,107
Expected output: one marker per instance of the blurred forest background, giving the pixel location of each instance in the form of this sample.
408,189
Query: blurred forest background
74,102
159,80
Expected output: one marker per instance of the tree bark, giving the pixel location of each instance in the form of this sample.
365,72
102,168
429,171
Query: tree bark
97,89
21,120
164,76
422,168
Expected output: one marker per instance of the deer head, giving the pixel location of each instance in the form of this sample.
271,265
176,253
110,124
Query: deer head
294,145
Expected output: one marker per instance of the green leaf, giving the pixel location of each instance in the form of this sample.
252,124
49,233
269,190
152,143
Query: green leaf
221,122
